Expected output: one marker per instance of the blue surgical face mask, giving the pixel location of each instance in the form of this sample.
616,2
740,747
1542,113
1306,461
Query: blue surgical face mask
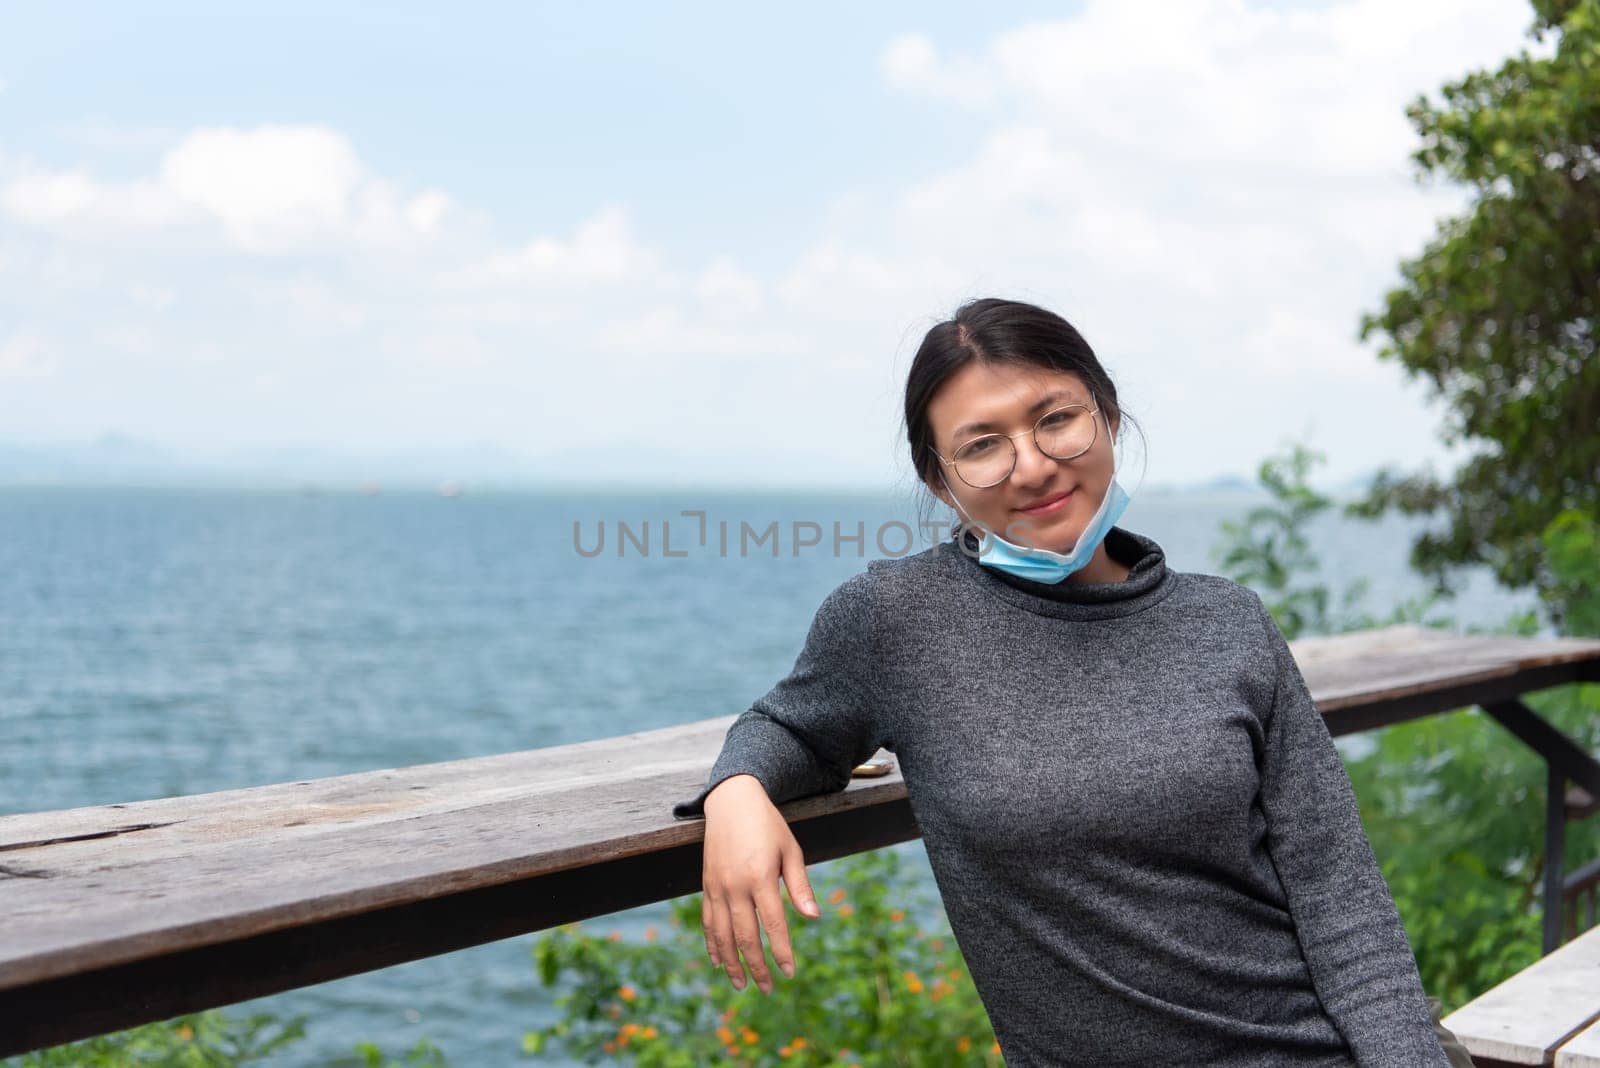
1043,565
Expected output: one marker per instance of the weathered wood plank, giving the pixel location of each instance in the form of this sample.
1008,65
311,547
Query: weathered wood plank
226,865
1527,1017
1582,1052
1371,667
222,972
1373,678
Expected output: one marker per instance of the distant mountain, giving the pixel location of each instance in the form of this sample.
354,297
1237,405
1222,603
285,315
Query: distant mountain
1229,485
1239,485
117,459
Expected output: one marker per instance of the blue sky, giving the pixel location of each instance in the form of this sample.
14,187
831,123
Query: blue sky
508,225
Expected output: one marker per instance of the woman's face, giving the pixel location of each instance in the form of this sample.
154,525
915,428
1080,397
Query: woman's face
1010,399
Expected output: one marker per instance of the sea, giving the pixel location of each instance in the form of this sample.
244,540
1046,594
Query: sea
165,641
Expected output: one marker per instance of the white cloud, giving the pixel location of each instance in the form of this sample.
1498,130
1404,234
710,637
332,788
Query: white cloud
912,63
268,189
26,355
1222,82
130,338
71,200
603,248
670,331
268,184
725,289
156,297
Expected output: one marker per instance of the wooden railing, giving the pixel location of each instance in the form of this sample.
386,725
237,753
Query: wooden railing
1578,900
121,914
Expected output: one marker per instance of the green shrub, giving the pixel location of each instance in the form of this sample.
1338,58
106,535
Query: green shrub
210,1039
198,1040
870,988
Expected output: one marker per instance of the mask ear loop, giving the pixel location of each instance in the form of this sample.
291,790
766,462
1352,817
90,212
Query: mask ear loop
959,527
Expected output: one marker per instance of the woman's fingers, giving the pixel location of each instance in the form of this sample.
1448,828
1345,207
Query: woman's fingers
769,905
747,936
795,879
707,928
727,953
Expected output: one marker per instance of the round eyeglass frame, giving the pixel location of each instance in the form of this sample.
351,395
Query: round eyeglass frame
1093,411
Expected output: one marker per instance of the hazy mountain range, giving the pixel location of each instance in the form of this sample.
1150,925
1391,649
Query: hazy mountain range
121,460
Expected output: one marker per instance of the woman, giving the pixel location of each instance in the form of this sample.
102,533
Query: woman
1145,841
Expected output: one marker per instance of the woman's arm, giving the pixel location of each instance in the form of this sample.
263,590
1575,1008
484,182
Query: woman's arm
1349,929
807,733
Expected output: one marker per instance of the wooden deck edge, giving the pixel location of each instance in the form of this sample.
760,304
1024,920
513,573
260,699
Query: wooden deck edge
67,1009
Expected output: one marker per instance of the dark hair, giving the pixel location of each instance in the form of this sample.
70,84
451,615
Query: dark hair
995,331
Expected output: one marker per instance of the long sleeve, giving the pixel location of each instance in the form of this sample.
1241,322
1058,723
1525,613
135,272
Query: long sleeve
1350,932
806,734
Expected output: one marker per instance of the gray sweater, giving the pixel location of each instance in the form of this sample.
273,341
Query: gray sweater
1144,839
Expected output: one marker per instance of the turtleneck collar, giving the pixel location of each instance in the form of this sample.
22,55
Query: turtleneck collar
1149,581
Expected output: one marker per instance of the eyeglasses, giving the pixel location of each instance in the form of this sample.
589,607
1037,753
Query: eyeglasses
989,460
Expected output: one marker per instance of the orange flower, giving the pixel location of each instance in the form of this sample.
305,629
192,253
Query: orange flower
963,1044
627,993
846,910
996,1047
785,1051
615,936
648,1032
725,1035
896,915
798,1042
954,973
650,933
728,1013
609,1047
185,1032
937,945
837,896
749,1036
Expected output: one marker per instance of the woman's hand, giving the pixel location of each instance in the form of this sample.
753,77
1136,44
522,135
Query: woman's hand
748,848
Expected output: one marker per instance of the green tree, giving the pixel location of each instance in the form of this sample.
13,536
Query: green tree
1269,550
1498,312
